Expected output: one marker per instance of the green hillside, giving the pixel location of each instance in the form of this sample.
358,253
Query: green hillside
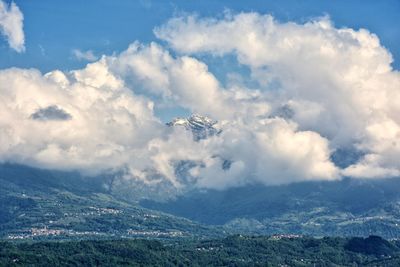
38,204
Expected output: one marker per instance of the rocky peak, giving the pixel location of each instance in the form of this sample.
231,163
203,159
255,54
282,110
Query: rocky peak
201,126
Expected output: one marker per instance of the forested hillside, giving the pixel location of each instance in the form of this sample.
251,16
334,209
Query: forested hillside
231,251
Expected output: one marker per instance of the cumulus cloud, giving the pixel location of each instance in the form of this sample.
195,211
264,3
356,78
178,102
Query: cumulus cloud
187,82
318,88
84,55
11,25
184,80
90,120
269,151
85,120
337,82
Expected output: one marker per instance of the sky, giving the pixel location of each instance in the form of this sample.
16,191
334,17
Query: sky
54,28
89,85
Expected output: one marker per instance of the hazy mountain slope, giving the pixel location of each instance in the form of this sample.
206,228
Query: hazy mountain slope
348,207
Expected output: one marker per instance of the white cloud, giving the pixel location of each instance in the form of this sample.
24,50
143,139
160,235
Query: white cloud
89,120
106,121
338,82
336,89
269,151
11,25
184,80
187,82
84,55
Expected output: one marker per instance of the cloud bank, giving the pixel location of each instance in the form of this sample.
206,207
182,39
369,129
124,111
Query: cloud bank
11,25
337,82
319,89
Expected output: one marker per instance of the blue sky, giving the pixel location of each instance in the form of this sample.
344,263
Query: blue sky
53,27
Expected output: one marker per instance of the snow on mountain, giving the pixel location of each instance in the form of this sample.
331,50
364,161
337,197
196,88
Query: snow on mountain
201,126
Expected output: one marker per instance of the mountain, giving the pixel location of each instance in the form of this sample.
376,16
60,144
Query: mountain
37,203
201,126
349,207
45,204
340,208
163,189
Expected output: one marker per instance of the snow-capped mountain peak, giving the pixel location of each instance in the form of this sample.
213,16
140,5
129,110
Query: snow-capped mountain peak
201,126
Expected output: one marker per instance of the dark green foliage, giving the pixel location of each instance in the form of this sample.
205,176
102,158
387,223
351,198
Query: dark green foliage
88,253
372,245
231,251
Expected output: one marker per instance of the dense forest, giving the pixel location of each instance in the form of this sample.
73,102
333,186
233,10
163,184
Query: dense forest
230,251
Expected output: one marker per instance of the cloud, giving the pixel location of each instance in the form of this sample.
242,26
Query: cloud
84,55
315,89
11,25
85,120
93,120
187,82
184,80
337,82
268,151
